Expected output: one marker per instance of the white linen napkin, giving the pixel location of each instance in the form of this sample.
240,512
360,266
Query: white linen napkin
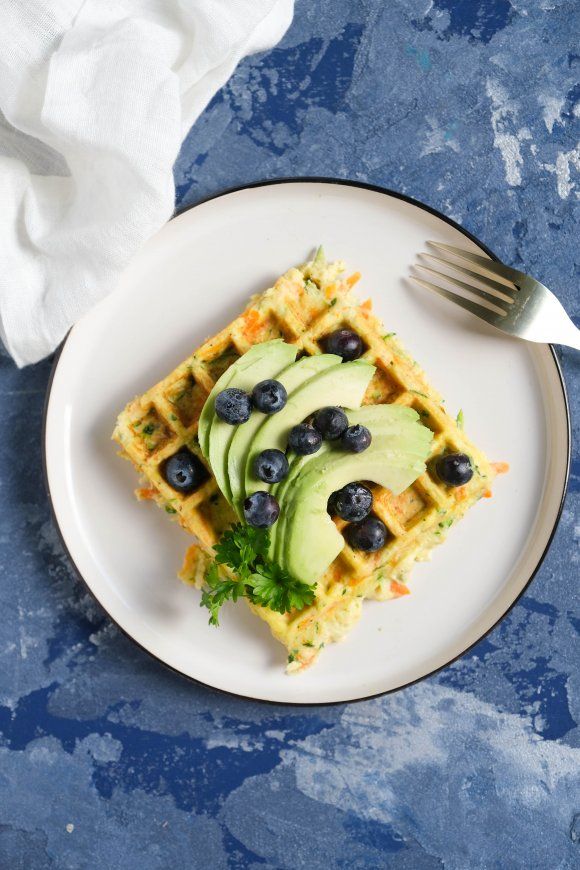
95,99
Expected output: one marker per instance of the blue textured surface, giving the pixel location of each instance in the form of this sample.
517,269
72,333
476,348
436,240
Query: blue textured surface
110,761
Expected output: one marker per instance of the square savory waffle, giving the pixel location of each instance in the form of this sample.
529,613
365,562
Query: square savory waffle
303,307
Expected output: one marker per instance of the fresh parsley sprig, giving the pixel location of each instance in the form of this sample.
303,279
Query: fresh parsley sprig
245,550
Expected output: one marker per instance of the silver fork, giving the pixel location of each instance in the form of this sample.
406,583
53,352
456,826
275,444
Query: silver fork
506,298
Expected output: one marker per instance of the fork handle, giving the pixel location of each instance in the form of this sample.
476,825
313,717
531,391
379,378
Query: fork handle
570,335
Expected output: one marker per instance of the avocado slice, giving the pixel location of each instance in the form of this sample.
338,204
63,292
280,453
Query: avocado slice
207,412
292,377
281,492
274,357
308,540
343,384
380,419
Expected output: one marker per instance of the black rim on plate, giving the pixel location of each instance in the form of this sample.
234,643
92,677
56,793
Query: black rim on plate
395,195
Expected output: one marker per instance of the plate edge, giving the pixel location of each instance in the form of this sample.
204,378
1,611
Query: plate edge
424,207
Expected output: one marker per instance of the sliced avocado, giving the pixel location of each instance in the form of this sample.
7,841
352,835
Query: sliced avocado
292,377
280,492
308,540
205,420
380,419
275,356
343,384
279,532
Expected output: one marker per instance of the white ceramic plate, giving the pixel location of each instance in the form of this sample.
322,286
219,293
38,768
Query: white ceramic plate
188,282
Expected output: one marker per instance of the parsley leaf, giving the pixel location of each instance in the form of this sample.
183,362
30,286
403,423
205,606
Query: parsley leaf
245,550
459,420
218,592
272,587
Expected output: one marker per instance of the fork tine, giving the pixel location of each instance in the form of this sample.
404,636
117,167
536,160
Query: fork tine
469,287
492,266
472,307
502,289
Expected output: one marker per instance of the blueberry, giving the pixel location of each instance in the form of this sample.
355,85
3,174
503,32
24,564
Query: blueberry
356,438
269,396
184,472
304,439
345,343
454,469
233,406
331,504
271,466
370,535
261,510
331,422
353,502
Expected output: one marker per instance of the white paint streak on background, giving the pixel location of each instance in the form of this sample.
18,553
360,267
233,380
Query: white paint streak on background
562,169
437,139
552,109
503,117
385,749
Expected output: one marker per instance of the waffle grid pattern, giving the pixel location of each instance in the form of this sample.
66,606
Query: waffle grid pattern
303,307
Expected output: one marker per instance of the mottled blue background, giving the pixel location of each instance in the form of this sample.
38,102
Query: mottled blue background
110,761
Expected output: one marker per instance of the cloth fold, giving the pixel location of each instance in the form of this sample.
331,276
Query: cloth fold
95,99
